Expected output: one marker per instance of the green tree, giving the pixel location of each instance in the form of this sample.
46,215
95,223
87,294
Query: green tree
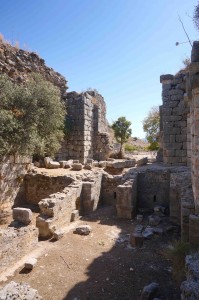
31,117
122,132
151,127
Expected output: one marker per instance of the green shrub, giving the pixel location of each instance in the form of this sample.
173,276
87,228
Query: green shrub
31,117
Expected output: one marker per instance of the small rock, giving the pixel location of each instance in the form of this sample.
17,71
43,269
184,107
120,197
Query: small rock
150,291
57,235
30,263
83,230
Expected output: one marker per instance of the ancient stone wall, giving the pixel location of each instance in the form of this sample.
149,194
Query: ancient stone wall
87,136
18,64
174,113
12,172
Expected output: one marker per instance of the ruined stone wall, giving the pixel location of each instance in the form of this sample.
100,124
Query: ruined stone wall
12,172
87,136
173,114
39,186
153,188
18,64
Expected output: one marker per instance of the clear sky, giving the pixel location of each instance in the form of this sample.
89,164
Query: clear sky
119,47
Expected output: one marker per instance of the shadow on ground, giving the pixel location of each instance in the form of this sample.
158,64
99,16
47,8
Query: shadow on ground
122,272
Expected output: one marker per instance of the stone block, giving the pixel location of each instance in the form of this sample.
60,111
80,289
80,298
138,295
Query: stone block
63,163
30,263
53,165
77,166
47,161
129,163
23,215
57,235
142,161
74,215
136,239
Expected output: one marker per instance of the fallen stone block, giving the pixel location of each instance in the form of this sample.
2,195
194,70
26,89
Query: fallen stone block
63,163
57,235
74,215
15,290
53,165
76,161
150,291
136,239
30,263
142,161
47,160
77,166
83,230
23,215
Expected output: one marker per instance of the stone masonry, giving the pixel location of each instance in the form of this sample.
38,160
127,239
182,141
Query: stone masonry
87,136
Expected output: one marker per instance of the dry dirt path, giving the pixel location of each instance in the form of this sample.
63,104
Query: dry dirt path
101,265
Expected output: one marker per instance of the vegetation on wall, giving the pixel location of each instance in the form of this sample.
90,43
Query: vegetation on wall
31,117
151,125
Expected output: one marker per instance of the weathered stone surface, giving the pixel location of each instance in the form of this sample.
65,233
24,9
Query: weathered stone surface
150,291
142,161
30,263
23,215
13,291
58,234
16,243
77,166
74,215
53,165
83,230
154,220
47,160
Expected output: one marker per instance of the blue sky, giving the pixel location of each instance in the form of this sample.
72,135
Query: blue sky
119,47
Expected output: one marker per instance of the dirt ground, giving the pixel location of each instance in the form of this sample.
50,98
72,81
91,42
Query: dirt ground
101,265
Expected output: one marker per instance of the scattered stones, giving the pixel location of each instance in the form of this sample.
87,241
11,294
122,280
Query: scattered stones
30,263
23,215
77,166
83,230
150,291
13,291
